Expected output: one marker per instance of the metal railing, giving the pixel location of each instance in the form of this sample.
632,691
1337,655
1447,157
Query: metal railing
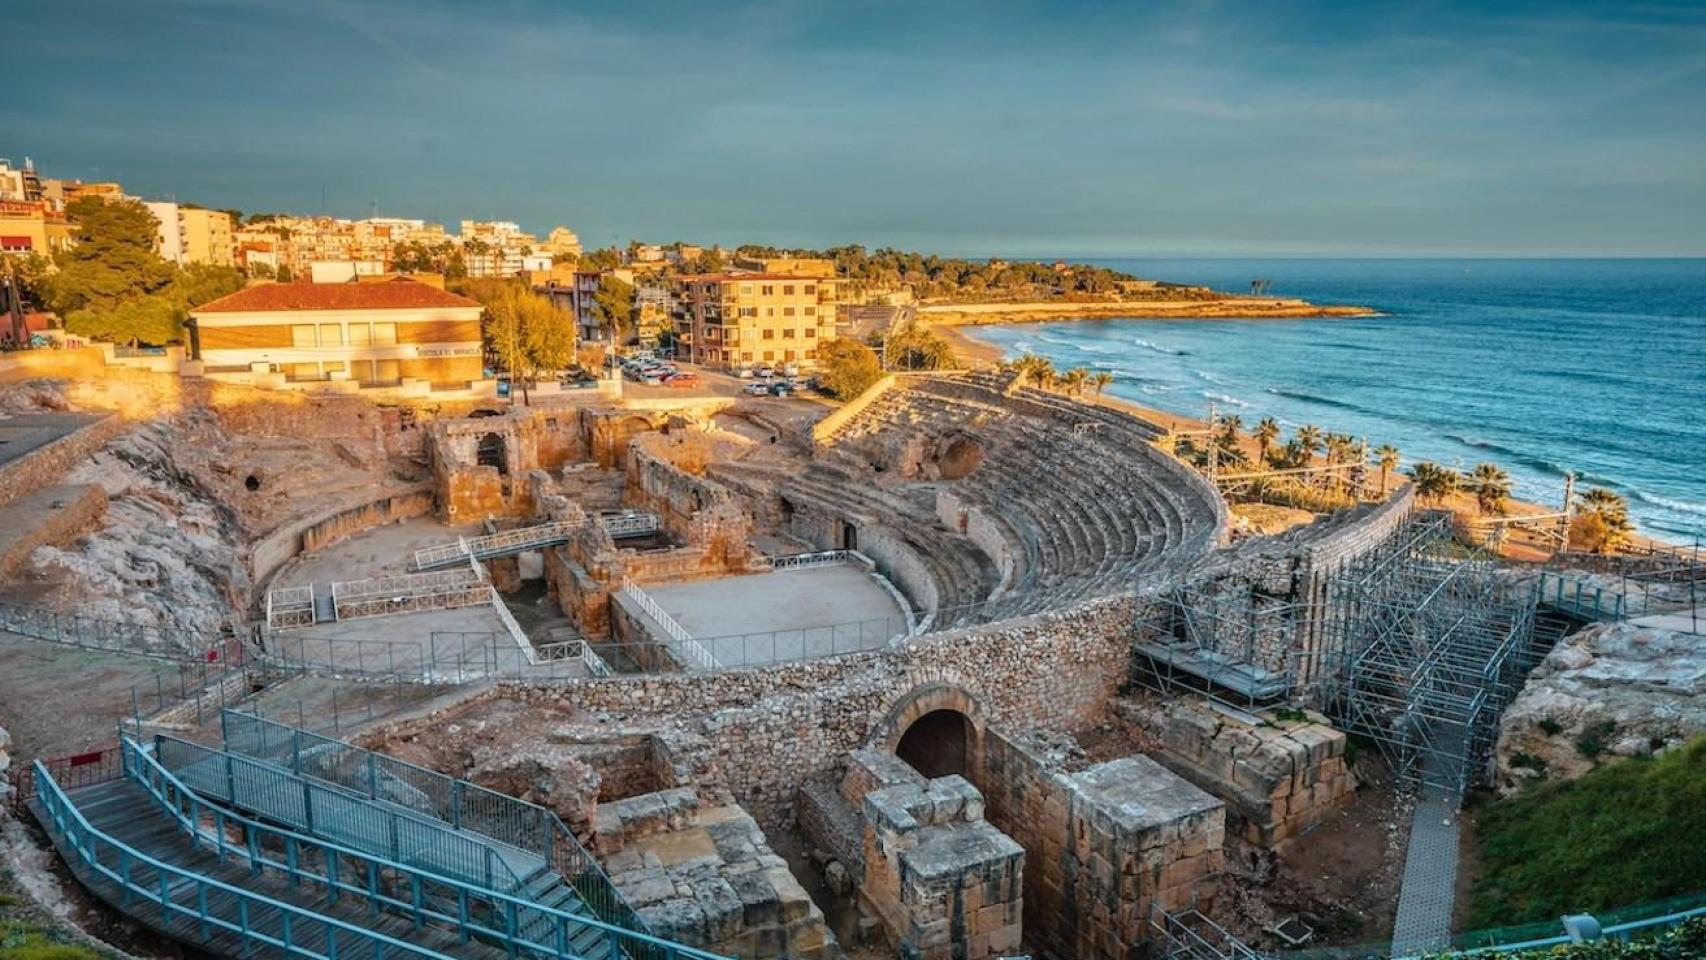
513,922
255,919
362,822
76,770
527,538
290,607
118,636
576,650
461,804
814,559
382,596
683,643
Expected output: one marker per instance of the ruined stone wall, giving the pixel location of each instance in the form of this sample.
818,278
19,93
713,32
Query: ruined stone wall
312,533
903,568
675,495
767,730
1278,778
987,533
46,465
1105,846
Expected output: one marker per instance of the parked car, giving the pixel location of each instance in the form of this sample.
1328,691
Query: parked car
744,373
766,372
780,388
682,380
791,369
759,389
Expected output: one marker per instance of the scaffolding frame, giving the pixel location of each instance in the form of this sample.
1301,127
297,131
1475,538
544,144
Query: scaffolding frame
1227,639
1431,645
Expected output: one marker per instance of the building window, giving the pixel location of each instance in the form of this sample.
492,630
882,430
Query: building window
811,354
787,311
746,288
769,290
811,311
769,355
789,355
331,334
749,311
770,311
384,334
811,332
787,289
788,334
769,334
810,289
746,355
360,335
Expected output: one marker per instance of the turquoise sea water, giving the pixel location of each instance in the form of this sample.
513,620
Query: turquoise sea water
1595,366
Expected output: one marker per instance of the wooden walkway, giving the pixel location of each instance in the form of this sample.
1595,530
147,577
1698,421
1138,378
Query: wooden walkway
125,812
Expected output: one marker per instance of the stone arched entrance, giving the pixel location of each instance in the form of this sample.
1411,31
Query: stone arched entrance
937,729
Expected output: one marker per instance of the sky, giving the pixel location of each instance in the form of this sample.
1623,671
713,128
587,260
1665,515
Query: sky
1097,129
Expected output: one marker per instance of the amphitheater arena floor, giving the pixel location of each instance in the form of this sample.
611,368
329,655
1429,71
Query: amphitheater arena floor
785,614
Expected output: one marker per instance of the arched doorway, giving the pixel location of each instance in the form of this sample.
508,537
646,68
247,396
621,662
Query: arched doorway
937,728
938,744
491,453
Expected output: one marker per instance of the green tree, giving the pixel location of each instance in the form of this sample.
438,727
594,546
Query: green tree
33,275
111,260
847,367
285,274
1267,431
1434,482
1100,380
614,304
1229,427
153,320
605,258
1492,487
1388,457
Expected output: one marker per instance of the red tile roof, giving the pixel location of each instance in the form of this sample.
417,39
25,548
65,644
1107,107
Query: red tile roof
385,295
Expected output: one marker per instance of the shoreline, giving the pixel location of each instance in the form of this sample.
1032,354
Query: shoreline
982,353
947,315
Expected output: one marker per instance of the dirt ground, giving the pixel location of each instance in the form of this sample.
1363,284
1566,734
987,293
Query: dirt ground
1341,878
57,700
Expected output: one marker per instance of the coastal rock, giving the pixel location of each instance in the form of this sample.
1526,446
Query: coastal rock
1607,691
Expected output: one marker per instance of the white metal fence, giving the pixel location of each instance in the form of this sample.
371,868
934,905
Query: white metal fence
679,640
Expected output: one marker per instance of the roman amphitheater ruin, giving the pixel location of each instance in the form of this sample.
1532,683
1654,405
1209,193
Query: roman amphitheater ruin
961,669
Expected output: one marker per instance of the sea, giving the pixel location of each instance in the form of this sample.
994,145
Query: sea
1597,367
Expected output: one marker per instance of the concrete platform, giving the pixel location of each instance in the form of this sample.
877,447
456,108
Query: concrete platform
21,434
786,614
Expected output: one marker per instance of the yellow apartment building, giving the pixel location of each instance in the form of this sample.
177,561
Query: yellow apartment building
207,236
734,320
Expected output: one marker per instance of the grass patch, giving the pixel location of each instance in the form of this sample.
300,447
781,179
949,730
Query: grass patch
1686,941
1623,834
27,934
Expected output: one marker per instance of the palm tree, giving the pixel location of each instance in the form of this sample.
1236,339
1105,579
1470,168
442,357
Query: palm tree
1074,380
1308,439
1492,487
1433,482
1388,457
1609,507
1266,433
1229,427
1100,380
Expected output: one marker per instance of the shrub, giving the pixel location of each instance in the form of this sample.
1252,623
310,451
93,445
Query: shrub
1593,740
1550,726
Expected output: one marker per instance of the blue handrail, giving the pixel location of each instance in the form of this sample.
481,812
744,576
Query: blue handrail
324,811
480,912
292,922
465,806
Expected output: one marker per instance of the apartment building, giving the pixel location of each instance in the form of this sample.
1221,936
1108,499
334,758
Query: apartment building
731,320
32,227
19,183
376,334
188,234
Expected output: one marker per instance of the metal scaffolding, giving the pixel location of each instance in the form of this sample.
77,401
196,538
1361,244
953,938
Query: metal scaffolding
1431,644
1226,639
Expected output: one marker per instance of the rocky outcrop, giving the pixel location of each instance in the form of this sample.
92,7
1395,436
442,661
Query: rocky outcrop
1611,690
5,760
